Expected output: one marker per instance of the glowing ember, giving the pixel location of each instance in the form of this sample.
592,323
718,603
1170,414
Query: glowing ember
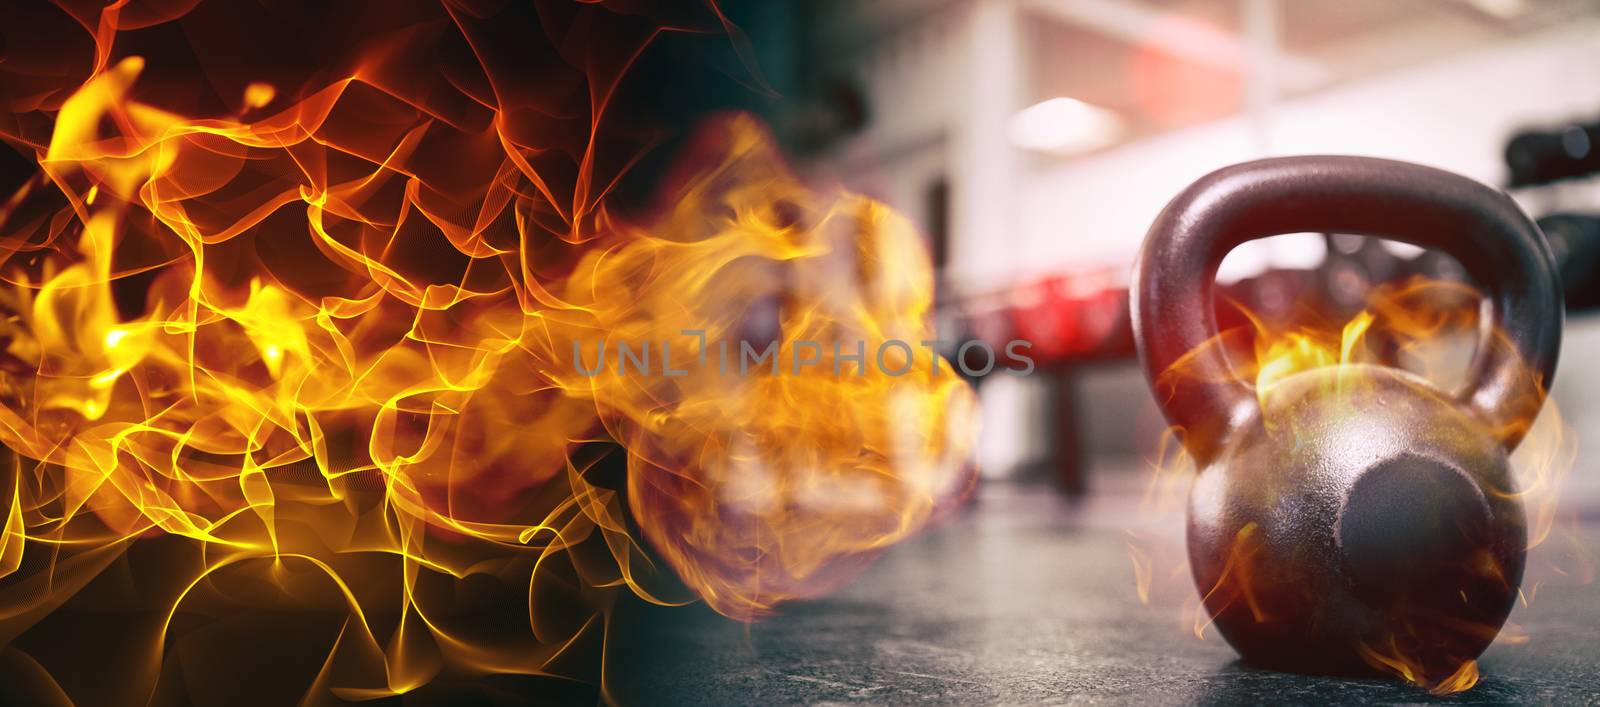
317,353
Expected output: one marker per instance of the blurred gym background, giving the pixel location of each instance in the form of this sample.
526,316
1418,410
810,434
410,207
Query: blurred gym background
1033,141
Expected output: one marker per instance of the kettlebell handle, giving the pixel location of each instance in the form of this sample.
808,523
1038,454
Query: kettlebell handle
1501,249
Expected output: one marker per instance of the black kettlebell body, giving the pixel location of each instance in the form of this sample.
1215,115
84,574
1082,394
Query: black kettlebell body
1354,516
1359,508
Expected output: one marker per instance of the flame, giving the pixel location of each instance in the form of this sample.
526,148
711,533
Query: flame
1418,324
1395,662
1237,582
758,488
330,341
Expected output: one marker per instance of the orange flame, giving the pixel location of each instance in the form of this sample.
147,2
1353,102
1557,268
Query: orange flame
765,487
334,347
1395,662
1236,582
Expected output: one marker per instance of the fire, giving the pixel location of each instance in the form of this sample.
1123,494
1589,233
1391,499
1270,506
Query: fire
327,341
1419,325
1395,662
769,483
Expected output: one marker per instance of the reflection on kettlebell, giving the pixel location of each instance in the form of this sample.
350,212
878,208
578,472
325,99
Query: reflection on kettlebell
1344,515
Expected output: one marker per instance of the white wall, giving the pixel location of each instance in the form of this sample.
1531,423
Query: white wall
1454,114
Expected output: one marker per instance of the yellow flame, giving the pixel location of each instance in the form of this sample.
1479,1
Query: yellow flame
1281,354
336,359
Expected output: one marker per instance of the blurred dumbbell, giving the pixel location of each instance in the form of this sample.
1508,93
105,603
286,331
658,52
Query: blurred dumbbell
1575,241
1540,157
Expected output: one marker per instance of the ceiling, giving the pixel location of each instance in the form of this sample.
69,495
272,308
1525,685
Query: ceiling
1167,63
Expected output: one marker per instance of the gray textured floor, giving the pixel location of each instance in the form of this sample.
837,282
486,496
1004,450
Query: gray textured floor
1025,599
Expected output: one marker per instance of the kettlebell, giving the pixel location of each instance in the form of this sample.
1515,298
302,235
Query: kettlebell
1355,517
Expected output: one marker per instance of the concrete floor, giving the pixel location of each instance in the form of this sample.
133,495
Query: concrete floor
1027,599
